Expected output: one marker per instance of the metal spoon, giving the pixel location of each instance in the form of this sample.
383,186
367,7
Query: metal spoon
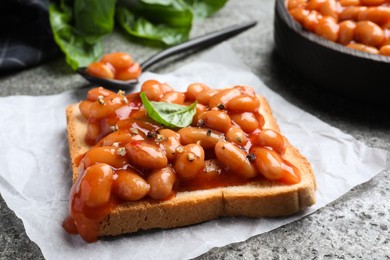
193,44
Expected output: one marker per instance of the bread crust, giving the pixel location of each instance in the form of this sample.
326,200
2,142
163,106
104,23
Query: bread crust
255,199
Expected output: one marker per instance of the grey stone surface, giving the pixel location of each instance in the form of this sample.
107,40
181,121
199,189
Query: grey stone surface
356,226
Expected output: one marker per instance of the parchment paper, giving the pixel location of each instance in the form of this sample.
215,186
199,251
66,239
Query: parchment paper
35,176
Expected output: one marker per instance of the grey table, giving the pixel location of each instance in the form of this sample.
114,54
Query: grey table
355,226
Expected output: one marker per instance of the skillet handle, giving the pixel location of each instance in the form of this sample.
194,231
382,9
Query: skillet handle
198,43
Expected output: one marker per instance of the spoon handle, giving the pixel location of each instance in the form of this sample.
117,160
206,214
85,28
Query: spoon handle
198,43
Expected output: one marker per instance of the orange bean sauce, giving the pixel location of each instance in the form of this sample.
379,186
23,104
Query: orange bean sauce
134,158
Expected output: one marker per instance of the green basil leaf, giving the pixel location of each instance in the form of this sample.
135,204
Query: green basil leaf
94,19
205,8
167,28
172,13
167,114
78,31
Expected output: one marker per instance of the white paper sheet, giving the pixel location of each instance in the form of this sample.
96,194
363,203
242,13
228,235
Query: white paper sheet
35,175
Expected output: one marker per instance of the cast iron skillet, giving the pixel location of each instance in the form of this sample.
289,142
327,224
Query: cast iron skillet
331,66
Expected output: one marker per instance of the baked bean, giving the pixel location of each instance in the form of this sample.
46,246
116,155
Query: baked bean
295,3
161,183
310,22
271,138
95,93
143,125
100,70
210,174
190,162
121,137
206,137
349,2
327,28
369,33
194,89
95,186
128,185
385,50
299,14
268,163
243,103
104,106
204,97
146,155
346,32
200,109
132,72
247,121
234,159
173,97
273,167
119,60
153,90
351,13
216,120
85,107
314,4
105,154
223,97
379,15
364,48
170,142
167,88
329,8
292,175
140,113
236,135
372,2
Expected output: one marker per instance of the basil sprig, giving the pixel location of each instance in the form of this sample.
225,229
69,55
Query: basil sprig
167,114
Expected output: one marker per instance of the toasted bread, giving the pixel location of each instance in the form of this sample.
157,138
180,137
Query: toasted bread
256,199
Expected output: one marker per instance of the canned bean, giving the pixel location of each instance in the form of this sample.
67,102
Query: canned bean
207,138
234,159
106,154
95,186
129,185
243,103
247,121
216,120
146,155
236,135
161,183
346,32
190,162
327,28
153,89
270,138
369,33
194,89
173,97
170,142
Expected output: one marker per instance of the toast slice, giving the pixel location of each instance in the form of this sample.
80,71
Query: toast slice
257,199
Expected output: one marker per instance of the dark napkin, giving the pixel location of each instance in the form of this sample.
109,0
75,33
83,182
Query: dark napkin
25,35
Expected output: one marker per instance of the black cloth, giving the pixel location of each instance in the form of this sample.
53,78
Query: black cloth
25,35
